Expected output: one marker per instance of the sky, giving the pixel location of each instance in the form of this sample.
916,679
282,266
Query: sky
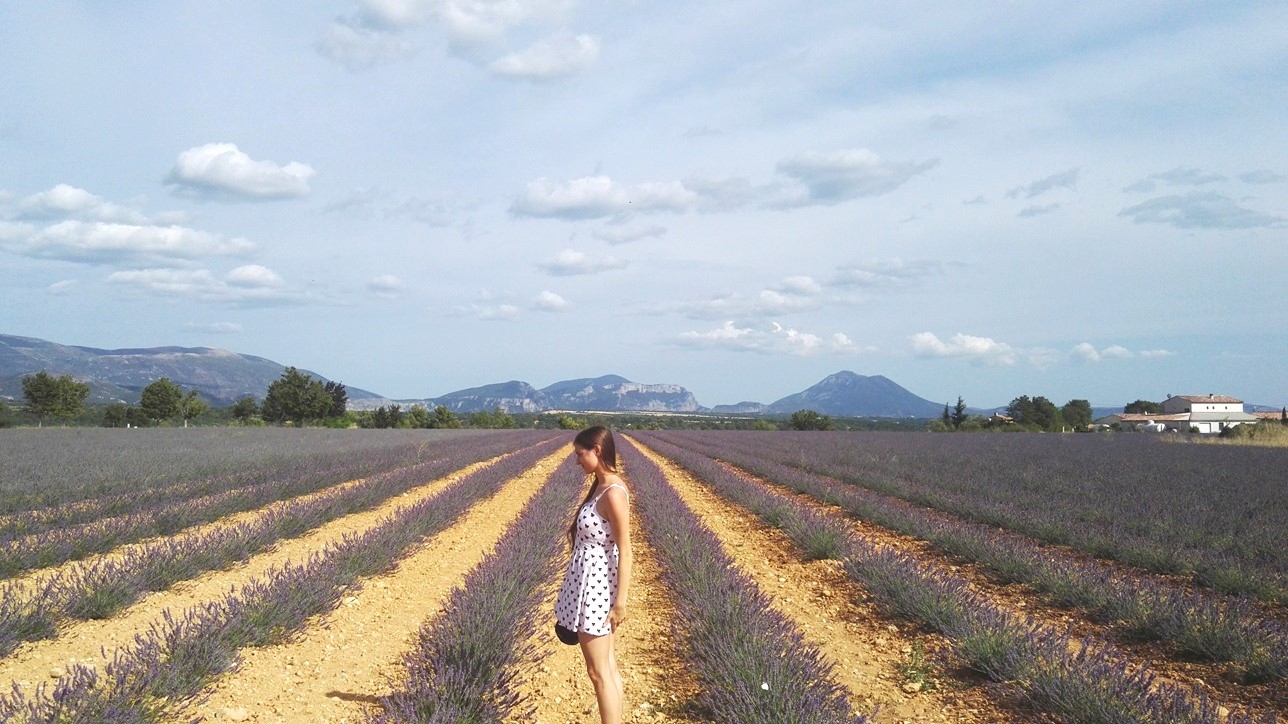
1080,200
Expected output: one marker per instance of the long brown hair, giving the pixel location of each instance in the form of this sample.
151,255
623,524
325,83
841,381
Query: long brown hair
587,440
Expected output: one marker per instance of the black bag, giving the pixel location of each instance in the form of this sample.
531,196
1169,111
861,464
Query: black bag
566,635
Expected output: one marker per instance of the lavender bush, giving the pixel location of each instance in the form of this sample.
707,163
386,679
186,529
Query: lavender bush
167,666
1214,512
1203,627
1035,659
753,662
467,661
100,589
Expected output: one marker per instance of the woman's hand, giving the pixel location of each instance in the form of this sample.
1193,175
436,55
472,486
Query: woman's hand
617,616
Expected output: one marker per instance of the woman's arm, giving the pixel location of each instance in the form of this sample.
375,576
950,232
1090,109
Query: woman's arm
618,513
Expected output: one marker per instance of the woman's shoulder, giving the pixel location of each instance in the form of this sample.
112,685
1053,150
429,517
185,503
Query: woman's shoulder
614,482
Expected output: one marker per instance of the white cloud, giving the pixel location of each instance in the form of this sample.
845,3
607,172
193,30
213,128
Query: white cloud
570,262
1037,210
548,301
553,57
614,235
1064,179
487,312
1156,353
253,275
61,287
1087,352
980,350
886,273
1199,210
95,242
830,178
215,327
385,285
66,201
1179,176
775,339
359,48
225,171
1261,176
802,285
594,197
251,285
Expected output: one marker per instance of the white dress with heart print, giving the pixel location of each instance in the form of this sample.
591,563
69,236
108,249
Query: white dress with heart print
590,581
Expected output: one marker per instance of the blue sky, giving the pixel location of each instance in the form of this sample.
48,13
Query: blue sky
1076,200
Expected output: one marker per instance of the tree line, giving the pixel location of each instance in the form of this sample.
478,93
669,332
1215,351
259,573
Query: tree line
1023,414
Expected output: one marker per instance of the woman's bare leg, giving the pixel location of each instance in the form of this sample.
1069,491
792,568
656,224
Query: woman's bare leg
601,664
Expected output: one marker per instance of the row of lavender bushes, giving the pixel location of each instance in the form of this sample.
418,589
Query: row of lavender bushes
753,663
467,662
1206,627
1212,512
56,546
1074,681
56,471
166,668
100,589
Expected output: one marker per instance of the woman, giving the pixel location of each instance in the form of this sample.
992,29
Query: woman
592,600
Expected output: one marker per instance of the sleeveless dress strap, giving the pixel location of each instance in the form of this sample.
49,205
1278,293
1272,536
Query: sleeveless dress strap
614,485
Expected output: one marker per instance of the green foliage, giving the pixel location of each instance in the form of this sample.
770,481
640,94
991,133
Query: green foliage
59,397
1038,413
339,398
383,418
418,418
1144,407
810,420
764,425
445,419
496,419
1077,414
245,408
4,416
192,406
567,422
297,398
959,412
161,400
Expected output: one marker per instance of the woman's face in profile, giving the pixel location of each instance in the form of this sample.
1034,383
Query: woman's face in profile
588,458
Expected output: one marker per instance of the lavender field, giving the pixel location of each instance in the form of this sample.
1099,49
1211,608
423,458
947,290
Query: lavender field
1068,578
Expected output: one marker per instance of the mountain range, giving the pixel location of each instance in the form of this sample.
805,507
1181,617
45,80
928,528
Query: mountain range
222,377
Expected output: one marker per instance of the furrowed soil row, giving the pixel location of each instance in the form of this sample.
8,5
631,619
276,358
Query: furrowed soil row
339,665
1258,701
658,684
869,650
81,641
1220,681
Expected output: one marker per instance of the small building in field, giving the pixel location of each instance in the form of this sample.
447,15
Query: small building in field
1186,413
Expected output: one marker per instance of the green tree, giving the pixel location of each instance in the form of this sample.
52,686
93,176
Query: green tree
494,419
339,398
245,408
192,407
763,425
1021,410
1077,413
116,415
445,419
1045,414
59,397
1144,407
161,399
4,416
810,420
959,412
296,397
946,419
418,417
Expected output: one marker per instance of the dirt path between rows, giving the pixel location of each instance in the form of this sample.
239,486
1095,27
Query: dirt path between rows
658,686
343,662
36,661
1221,682
868,650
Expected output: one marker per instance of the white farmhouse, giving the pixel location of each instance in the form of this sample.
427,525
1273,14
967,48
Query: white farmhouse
1183,413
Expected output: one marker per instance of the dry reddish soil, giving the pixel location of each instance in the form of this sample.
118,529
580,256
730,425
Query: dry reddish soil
868,650
82,641
345,660
1218,681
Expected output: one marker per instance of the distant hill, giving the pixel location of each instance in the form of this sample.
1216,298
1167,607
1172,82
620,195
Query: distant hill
608,393
853,395
118,375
